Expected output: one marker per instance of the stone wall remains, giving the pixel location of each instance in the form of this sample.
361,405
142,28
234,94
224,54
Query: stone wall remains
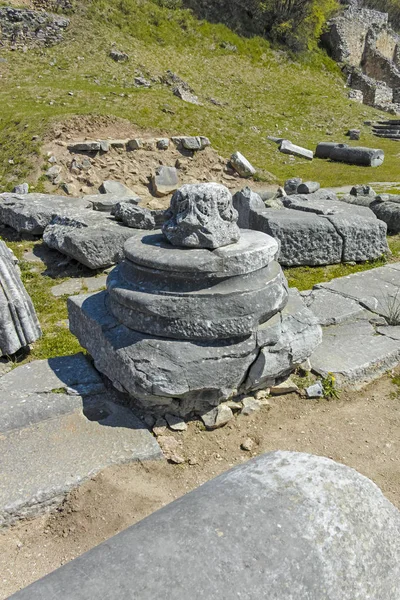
364,41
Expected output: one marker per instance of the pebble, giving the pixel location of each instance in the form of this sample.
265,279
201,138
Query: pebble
247,445
175,423
160,427
250,406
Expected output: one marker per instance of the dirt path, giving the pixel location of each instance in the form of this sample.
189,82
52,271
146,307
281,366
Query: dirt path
360,429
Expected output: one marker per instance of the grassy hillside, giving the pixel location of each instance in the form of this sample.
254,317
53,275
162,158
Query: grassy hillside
263,91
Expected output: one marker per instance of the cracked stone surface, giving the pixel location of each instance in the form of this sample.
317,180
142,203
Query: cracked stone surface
291,523
360,341
59,426
315,229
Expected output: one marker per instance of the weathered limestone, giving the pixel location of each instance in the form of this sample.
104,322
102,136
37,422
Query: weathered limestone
134,216
315,229
288,148
90,238
242,165
293,525
105,202
201,216
367,157
115,187
178,326
165,181
31,213
19,325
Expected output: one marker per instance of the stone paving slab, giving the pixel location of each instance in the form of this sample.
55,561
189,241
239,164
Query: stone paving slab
358,344
59,425
41,463
74,286
355,354
373,289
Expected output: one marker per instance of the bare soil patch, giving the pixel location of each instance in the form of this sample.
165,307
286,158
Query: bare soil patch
361,429
134,168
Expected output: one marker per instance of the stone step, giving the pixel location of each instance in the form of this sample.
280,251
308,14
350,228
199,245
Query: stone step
60,426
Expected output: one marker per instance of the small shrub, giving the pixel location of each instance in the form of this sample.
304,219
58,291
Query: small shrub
329,385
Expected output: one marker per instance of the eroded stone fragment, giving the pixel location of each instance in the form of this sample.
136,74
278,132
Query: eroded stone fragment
19,325
202,216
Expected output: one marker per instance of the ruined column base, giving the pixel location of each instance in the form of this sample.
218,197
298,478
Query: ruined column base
190,377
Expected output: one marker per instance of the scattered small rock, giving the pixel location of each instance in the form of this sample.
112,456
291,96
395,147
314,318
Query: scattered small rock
118,55
315,391
142,82
250,406
114,187
53,173
185,95
22,188
286,387
165,181
160,427
308,187
163,144
242,165
217,417
247,445
175,423
291,185
170,447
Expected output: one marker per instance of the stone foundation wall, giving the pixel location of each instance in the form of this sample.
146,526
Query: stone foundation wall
21,27
364,40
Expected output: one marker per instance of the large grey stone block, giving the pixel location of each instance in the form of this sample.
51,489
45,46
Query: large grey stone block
305,238
363,238
19,325
91,238
31,213
389,212
282,526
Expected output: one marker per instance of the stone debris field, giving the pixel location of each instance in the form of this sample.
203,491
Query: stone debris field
191,318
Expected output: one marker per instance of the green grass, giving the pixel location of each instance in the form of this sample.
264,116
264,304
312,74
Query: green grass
300,99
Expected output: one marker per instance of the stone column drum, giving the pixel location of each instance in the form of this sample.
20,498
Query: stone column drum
19,325
197,312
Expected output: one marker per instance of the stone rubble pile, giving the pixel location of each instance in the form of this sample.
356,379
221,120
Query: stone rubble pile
196,313
21,27
19,325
